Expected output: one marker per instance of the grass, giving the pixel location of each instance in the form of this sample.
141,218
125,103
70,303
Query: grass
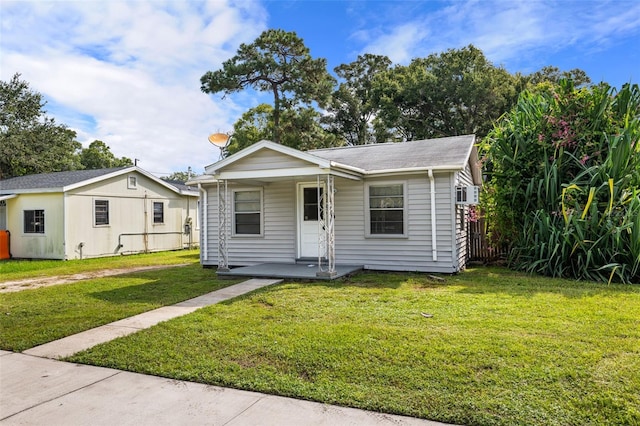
502,348
21,269
32,317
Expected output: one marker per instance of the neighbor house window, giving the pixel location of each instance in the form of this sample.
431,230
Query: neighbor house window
101,212
247,212
158,212
132,182
386,209
34,221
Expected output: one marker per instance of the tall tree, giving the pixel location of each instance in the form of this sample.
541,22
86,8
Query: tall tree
181,177
301,129
455,92
31,142
554,75
99,156
353,107
278,62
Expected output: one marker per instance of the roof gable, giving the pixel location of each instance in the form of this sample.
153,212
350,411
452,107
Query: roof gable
265,150
65,181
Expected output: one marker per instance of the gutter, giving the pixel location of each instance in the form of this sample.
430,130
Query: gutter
434,248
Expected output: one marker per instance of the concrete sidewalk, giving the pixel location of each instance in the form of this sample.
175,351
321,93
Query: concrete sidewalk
39,391
36,390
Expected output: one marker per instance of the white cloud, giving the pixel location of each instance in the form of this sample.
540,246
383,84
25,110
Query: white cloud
127,72
506,31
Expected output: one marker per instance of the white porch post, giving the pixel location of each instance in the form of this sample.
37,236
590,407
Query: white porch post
326,232
223,202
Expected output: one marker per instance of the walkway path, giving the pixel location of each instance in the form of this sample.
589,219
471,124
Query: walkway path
78,342
37,389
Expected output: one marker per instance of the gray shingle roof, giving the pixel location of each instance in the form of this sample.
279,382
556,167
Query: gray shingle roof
53,180
442,152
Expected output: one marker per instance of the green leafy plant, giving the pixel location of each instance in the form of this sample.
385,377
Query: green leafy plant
565,178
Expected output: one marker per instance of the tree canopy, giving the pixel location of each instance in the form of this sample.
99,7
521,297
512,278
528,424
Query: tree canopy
99,156
353,106
278,62
301,129
451,93
31,142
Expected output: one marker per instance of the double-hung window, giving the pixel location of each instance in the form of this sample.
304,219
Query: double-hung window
101,212
247,212
158,212
386,209
34,221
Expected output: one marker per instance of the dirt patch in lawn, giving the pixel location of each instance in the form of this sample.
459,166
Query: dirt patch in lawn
31,283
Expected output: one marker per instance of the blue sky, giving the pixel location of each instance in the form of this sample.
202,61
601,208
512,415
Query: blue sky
128,72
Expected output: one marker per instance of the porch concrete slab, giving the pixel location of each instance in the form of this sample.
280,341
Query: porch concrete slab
75,343
40,391
305,271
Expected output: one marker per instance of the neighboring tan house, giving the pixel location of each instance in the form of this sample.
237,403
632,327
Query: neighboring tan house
92,213
392,206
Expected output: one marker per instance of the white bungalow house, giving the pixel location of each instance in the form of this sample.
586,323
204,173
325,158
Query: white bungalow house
93,213
392,206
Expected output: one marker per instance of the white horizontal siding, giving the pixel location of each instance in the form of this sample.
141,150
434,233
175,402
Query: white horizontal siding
277,244
413,253
410,253
463,178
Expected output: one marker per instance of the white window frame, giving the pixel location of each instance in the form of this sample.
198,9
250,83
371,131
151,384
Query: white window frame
233,213
101,225
405,208
132,182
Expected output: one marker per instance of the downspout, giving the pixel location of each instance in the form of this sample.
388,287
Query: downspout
434,248
145,236
204,252
64,227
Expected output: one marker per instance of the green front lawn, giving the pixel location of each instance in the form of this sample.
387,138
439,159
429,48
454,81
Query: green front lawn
11,270
501,348
32,317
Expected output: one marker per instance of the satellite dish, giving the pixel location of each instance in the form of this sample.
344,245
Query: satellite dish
219,139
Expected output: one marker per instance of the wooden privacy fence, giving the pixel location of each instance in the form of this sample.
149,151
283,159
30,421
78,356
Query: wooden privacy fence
479,248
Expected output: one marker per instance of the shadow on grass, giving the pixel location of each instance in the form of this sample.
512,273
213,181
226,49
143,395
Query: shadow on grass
477,281
164,286
506,281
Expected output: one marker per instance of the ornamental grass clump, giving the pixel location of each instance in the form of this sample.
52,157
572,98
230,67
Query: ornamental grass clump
564,191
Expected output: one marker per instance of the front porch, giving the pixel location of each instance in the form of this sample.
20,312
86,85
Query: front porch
306,271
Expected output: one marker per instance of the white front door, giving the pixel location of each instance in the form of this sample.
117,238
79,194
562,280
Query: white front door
308,227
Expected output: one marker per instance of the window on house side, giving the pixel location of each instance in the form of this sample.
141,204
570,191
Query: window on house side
101,212
34,221
386,209
158,212
132,182
247,208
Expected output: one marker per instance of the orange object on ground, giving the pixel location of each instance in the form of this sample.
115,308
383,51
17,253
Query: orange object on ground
5,252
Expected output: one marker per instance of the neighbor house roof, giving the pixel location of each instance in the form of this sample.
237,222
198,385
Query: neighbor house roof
56,180
64,181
